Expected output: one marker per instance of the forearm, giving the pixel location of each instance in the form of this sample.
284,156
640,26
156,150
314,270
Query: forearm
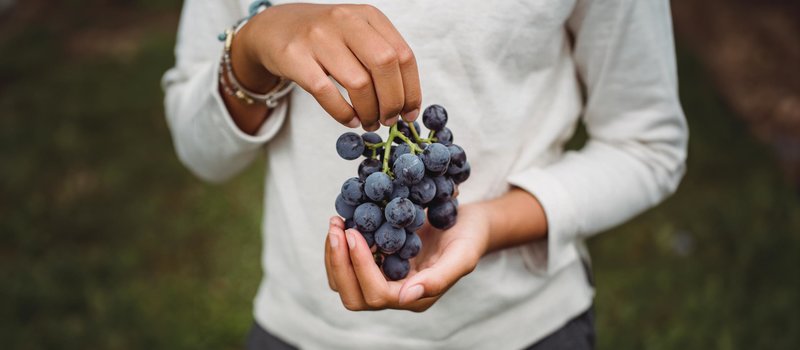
253,76
515,218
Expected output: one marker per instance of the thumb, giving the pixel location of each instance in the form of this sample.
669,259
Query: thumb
454,263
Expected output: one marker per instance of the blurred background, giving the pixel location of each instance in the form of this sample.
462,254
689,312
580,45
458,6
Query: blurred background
107,242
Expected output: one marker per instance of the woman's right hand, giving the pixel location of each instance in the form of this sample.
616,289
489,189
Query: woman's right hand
355,44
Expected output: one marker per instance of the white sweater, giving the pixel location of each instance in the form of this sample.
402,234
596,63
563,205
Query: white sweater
515,77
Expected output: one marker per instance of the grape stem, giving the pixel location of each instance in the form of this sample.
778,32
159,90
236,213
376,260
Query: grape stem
395,133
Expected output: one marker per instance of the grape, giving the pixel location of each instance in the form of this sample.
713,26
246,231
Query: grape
345,210
419,219
409,169
373,138
444,136
462,175
444,188
403,128
398,151
349,146
349,223
389,238
368,217
367,167
411,247
353,191
395,267
423,192
457,155
442,215
369,237
378,186
436,157
434,117
399,190
400,212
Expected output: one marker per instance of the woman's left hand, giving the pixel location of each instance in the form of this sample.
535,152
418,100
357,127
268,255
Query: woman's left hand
446,256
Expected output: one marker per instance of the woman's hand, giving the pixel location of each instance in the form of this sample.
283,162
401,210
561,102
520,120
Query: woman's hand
446,256
355,44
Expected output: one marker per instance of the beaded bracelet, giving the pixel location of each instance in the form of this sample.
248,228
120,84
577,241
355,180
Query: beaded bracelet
231,85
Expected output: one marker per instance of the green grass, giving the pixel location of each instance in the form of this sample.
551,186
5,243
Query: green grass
107,242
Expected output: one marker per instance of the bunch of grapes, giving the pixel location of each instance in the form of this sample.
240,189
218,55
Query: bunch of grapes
396,183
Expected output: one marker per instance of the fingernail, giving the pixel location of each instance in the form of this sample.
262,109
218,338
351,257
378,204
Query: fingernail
391,121
334,240
412,294
411,116
354,123
351,241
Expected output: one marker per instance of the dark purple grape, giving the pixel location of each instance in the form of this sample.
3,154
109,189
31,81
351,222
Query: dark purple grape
442,215
378,186
373,138
436,157
398,151
419,219
400,190
462,175
367,167
444,136
400,212
409,169
403,128
389,238
434,117
349,146
349,223
353,191
422,192
395,268
411,247
369,237
345,210
368,217
444,188
457,155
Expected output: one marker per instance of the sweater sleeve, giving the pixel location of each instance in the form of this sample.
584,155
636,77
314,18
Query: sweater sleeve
635,155
206,139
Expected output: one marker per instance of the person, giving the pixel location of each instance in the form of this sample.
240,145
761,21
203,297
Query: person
516,78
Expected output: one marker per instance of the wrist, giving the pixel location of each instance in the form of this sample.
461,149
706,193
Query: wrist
246,63
514,218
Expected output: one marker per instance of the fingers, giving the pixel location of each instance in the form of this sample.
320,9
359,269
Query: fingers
454,263
374,288
409,71
307,73
328,269
382,61
337,222
340,62
342,271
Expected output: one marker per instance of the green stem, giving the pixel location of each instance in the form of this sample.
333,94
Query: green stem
387,151
414,148
414,132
